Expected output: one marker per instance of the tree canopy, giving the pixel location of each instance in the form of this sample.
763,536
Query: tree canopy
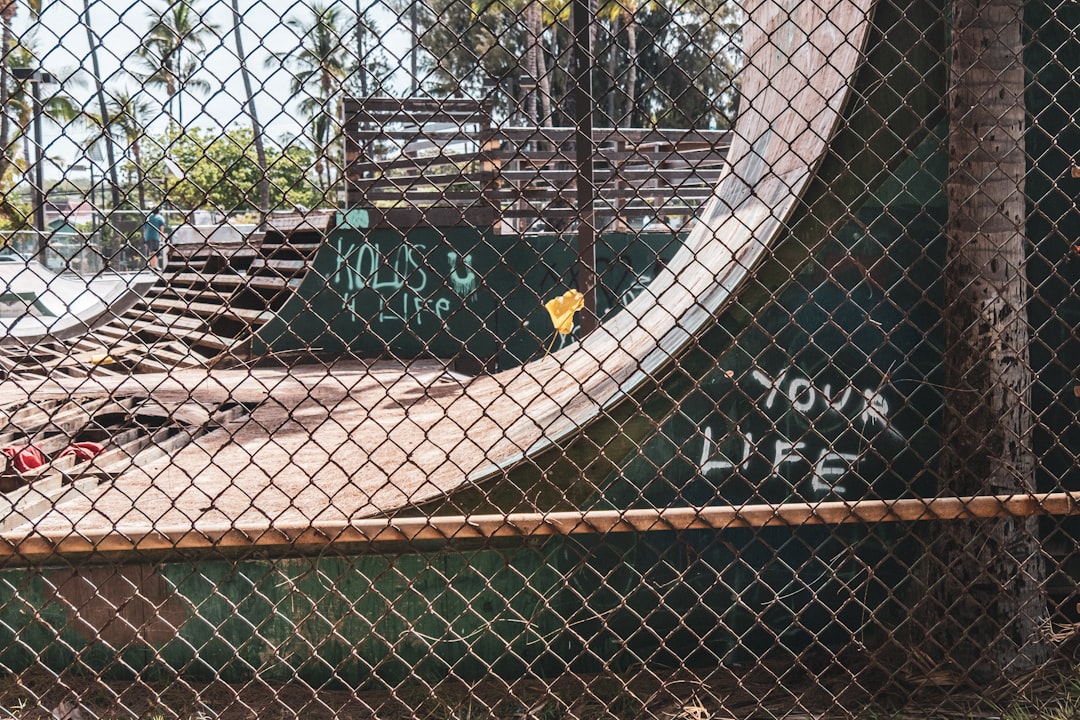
220,171
667,62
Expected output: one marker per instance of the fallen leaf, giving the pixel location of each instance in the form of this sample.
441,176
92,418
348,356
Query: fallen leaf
562,310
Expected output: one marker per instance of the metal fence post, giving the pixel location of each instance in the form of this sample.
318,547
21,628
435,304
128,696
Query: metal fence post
584,152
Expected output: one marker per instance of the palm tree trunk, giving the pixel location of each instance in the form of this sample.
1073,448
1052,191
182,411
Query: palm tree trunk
613,69
533,23
543,80
361,64
983,607
136,151
103,108
324,150
556,53
256,127
7,12
632,60
544,83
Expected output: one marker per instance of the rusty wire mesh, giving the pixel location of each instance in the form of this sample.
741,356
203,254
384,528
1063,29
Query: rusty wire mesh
444,359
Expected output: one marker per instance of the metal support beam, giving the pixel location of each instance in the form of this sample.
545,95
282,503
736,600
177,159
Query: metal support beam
585,152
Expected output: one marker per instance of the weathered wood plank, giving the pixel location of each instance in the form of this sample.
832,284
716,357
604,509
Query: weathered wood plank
209,309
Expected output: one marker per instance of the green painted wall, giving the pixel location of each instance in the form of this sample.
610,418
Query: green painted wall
378,292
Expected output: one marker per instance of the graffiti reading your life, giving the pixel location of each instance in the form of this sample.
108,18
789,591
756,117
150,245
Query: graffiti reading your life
819,464
402,281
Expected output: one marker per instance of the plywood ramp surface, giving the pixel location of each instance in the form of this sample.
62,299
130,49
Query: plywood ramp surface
357,441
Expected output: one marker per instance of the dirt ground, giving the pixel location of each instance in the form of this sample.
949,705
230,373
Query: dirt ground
853,686
637,693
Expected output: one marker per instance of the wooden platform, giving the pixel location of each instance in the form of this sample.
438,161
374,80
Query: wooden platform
328,445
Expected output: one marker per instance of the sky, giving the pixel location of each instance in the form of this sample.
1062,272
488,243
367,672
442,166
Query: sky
62,44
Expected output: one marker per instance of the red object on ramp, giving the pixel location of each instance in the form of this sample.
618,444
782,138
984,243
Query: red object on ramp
24,457
83,451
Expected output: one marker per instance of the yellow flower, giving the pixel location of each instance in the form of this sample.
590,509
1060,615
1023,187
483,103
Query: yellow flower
562,310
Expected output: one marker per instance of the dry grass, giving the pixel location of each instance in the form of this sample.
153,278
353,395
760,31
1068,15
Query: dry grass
716,694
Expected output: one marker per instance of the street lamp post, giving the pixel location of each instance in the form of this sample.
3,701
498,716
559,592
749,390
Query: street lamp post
36,76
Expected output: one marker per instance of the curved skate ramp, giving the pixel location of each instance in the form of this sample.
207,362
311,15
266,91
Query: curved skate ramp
800,62
38,305
362,441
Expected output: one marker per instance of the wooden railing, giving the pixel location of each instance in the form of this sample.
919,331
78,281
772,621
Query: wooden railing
447,159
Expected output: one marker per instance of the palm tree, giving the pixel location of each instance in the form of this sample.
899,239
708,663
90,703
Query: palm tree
60,108
318,64
552,14
128,114
534,59
986,605
625,13
8,9
628,13
256,128
103,106
363,27
536,16
173,30
9,58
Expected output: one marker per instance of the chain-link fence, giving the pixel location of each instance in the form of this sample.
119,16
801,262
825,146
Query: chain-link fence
446,359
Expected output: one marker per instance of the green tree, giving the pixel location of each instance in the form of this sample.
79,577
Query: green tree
129,115
688,64
318,66
221,172
622,17
102,102
177,34
473,43
16,96
468,43
8,10
58,108
679,66
14,212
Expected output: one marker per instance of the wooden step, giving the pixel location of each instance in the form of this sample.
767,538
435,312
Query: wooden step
179,354
241,281
301,248
185,332
281,267
115,331
316,221
198,294
179,321
277,284
210,310
191,277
